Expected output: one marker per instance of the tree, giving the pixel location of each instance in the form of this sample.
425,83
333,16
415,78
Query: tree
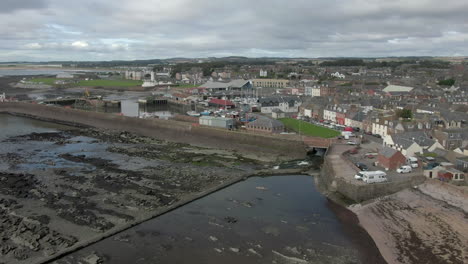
448,82
405,113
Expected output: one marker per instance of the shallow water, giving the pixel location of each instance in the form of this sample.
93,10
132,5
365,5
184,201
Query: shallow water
244,223
27,72
11,126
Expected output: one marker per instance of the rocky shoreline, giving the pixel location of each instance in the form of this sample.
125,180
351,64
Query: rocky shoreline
80,185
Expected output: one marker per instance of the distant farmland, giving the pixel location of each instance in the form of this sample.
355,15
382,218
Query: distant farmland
308,129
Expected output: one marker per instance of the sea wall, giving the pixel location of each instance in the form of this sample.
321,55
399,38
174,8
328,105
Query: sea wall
273,147
358,192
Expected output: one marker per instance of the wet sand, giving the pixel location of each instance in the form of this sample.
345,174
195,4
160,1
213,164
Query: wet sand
412,226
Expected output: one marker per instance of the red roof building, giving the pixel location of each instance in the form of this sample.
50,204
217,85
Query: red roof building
221,103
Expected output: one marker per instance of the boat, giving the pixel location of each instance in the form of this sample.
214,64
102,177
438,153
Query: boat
193,113
206,113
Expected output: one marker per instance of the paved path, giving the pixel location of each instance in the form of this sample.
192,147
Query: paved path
342,167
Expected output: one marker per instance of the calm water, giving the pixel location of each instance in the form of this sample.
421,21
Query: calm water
245,223
16,126
26,72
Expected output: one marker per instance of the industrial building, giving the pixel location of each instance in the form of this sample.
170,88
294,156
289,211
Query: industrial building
214,121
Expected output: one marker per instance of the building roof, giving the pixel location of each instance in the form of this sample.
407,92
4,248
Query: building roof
388,152
276,100
397,89
440,152
218,85
215,118
221,102
453,116
266,122
406,139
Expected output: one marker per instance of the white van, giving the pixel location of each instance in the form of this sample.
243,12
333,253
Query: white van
374,176
405,169
412,161
359,175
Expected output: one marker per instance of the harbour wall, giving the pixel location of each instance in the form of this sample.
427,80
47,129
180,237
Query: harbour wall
271,147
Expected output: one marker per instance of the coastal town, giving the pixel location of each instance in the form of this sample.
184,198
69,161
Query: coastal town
392,134
415,112
201,132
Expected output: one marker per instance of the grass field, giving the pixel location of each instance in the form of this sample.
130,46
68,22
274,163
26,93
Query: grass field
92,83
110,83
187,86
308,129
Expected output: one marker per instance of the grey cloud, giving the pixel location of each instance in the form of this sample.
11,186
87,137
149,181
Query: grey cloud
8,6
122,29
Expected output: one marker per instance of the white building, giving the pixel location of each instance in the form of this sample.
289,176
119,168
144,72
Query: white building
314,91
214,121
134,75
263,73
329,115
285,104
379,129
338,75
397,89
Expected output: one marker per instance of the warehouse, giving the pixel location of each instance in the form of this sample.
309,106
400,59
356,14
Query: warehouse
214,121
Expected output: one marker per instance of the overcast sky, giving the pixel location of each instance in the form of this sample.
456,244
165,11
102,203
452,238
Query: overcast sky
42,30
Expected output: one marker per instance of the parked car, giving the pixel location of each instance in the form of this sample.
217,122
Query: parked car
368,133
351,143
353,151
361,166
377,136
404,169
371,155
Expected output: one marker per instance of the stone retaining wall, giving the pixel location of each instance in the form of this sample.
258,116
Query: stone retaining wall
273,147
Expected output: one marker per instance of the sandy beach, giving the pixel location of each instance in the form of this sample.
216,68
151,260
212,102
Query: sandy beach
414,226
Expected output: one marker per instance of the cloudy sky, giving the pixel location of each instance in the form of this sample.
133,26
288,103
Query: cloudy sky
41,30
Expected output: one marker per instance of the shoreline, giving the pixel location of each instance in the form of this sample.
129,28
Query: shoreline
413,226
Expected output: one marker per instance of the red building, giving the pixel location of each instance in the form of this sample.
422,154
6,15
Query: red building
391,159
340,118
221,103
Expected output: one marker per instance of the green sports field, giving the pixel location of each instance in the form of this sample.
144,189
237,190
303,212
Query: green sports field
110,83
308,129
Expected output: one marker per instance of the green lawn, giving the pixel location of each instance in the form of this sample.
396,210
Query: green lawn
308,129
110,83
187,86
